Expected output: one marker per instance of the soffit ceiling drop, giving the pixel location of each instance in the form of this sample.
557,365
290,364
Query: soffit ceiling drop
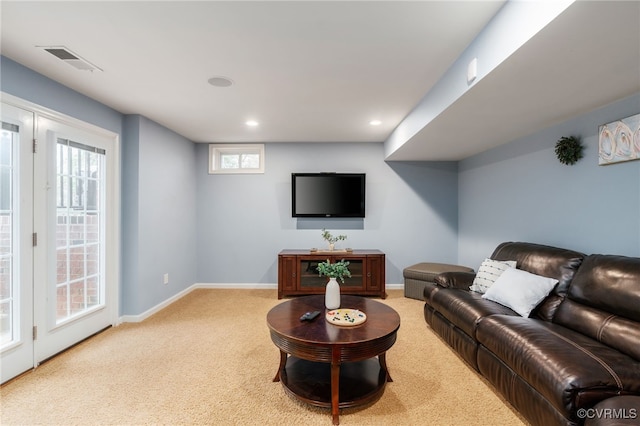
577,63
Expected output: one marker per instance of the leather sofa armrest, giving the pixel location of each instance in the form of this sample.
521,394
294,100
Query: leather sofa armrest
460,280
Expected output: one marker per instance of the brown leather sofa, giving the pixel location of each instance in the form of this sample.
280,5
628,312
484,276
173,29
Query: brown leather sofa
578,347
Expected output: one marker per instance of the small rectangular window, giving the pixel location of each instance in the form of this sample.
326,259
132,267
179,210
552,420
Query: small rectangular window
236,158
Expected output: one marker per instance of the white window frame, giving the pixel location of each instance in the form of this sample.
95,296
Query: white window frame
217,150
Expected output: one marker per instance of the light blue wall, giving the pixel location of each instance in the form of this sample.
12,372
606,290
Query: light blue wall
521,192
27,84
158,189
245,220
159,195
197,227
130,223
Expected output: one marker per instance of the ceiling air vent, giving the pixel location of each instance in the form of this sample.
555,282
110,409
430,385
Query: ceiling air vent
71,58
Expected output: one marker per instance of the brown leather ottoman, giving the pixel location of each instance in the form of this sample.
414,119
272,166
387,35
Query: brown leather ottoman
416,276
616,411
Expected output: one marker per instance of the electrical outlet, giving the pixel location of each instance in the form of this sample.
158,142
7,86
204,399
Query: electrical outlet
165,279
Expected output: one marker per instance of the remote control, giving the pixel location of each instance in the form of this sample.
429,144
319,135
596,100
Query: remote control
309,316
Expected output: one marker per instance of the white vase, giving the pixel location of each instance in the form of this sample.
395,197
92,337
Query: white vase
332,294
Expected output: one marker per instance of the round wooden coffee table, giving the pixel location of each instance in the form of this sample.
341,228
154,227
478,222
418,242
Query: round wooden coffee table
328,365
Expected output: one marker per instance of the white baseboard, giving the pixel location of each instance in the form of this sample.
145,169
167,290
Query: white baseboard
143,316
262,286
246,286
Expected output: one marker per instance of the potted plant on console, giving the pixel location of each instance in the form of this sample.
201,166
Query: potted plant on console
334,271
331,239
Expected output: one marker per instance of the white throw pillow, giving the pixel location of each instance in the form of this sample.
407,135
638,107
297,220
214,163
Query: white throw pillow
488,272
520,290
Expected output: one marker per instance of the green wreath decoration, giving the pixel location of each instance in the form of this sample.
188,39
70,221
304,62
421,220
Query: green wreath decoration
569,150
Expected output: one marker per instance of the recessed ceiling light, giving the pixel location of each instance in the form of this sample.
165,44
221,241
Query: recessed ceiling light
220,81
251,123
375,122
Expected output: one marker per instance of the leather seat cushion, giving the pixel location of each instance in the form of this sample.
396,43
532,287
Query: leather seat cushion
616,411
604,302
568,368
465,308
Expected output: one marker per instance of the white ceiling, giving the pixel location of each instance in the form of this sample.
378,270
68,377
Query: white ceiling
320,71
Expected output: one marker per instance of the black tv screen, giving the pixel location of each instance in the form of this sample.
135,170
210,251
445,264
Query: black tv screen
327,194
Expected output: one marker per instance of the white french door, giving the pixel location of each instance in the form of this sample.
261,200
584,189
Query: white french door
72,289
16,247
71,200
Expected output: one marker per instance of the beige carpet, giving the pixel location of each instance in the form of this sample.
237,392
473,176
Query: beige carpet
208,359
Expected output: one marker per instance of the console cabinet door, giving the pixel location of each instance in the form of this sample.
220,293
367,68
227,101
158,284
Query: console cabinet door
287,275
355,284
374,275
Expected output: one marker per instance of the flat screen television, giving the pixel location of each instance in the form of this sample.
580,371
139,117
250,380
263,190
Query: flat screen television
327,194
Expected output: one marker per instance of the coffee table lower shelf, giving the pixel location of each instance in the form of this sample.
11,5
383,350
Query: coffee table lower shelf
360,382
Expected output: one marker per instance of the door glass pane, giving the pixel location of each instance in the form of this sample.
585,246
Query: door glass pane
357,277
80,238
9,308
309,276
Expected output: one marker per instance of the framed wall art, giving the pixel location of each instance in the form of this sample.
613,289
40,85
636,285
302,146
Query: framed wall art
619,141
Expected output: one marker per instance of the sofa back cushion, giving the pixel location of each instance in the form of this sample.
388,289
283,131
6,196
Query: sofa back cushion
603,302
552,262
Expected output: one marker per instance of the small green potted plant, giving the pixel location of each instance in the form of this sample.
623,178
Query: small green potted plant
331,239
335,271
